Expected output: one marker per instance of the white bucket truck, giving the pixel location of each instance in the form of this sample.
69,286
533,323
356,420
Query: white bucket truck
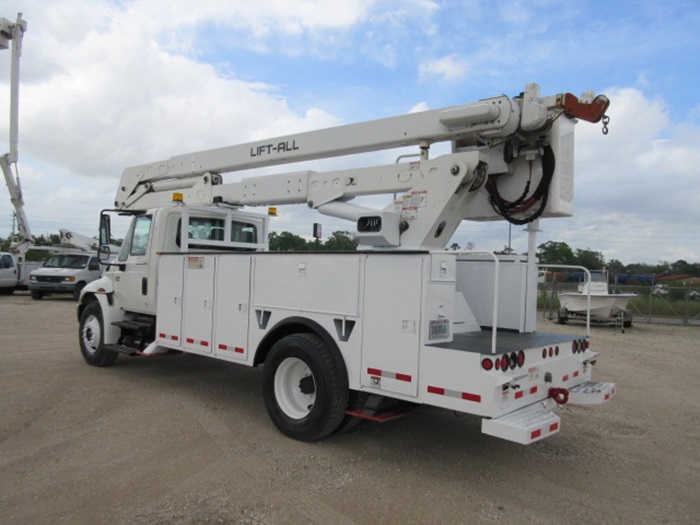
399,323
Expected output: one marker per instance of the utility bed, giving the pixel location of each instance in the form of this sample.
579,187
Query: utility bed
506,341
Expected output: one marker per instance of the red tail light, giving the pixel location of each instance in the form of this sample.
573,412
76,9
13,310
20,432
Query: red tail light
498,364
487,364
521,358
504,363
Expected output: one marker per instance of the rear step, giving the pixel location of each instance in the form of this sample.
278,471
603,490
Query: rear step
130,350
591,393
526,425
380,409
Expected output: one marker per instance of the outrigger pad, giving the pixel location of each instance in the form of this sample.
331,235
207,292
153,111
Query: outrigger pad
591,393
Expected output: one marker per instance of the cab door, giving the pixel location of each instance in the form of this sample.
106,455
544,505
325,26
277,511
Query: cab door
132,288
8,271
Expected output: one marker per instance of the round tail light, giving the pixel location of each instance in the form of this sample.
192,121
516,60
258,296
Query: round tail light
504,362
487,364
521,358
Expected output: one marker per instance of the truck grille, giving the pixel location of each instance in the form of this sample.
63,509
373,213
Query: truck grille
49,279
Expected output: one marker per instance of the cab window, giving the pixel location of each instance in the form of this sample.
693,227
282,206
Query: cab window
136,241
211,229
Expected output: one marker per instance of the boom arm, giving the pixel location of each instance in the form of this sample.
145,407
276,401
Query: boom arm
487,136
14,32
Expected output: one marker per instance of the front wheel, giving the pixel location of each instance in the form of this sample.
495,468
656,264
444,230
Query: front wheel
37,294
91,337
305,387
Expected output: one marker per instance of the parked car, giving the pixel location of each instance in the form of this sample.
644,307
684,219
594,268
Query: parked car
64,273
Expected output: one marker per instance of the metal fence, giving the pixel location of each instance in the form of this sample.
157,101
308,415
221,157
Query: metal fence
660,304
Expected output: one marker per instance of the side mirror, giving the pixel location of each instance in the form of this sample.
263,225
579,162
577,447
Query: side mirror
105,229
103,252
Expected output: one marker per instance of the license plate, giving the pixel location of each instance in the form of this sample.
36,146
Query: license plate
439,329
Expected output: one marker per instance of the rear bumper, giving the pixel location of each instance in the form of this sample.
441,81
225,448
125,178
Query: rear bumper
537,421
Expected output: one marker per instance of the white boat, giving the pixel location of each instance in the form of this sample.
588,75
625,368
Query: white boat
604,306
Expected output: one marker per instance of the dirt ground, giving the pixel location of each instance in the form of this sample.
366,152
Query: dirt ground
186,439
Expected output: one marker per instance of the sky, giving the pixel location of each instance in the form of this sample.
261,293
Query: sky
111,84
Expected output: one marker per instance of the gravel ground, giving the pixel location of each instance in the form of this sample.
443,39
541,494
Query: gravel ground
186,439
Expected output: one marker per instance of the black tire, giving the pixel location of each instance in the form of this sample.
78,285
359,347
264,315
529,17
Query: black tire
305,387
78,288
91,337
7,291
37,294
356,401
562,316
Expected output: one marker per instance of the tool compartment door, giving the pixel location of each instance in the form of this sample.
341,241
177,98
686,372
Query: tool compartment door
169,296
198,303
391,334
231,307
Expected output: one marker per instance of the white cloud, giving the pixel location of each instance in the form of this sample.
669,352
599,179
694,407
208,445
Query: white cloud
448,68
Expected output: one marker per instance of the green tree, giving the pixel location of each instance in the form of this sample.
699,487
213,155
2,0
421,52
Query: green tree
615,267
590,259
454,247
340,241
286,242
555,252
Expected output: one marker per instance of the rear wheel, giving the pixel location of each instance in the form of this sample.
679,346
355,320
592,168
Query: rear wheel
91,337
305,387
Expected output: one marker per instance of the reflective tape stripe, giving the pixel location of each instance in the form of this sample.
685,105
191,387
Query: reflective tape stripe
192,341
390,375
236,349
166,336
476,398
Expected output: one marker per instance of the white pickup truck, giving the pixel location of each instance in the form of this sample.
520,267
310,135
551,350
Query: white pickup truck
14,272
64,273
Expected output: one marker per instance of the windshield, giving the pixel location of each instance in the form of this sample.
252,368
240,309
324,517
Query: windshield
67,261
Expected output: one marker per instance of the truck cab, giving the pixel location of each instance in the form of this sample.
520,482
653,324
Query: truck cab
133,274
14,272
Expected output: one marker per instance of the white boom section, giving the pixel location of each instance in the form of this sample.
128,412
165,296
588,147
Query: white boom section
15,33
438,190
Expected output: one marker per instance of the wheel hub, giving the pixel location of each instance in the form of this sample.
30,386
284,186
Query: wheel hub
295,388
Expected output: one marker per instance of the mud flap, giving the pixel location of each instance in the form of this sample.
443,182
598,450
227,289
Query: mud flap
591,393
525,425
